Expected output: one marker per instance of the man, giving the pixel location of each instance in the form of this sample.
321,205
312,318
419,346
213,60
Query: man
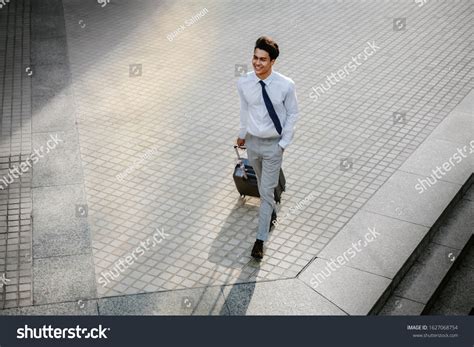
268,113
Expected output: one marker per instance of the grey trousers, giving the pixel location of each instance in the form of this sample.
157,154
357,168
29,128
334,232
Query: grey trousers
265,156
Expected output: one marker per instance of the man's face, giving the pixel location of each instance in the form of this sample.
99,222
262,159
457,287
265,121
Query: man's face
261,62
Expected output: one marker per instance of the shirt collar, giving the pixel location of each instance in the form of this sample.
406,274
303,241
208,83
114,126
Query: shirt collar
266,80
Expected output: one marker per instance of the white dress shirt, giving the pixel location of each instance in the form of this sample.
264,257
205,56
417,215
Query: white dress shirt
254,117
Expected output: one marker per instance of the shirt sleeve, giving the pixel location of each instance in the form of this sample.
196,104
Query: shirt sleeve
244,111
291,105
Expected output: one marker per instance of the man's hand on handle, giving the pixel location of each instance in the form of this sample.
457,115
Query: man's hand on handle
240,142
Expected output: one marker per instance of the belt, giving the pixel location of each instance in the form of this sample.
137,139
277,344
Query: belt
266,138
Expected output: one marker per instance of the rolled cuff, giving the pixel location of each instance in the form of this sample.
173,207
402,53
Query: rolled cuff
283,143
242,133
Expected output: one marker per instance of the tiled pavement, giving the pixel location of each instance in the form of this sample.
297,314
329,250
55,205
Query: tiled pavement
15,147
184,105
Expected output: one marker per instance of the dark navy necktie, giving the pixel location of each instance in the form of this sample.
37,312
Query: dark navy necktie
270,109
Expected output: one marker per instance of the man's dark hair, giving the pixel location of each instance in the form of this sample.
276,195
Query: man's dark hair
267,44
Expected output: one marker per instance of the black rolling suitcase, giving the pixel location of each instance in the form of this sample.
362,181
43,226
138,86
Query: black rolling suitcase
246,180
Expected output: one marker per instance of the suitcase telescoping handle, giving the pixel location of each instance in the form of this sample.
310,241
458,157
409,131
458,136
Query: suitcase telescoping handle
241,163
237,150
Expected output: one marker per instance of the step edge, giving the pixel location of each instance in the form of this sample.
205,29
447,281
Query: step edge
448,275
389,291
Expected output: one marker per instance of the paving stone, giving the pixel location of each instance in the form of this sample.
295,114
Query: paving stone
398,306
53,114
56,279
199,301
456,231
453,161
469,258
59,228
50,80
48,25
354,291
374,243
47,7
399,198
469,195
456,128
456,298
15,146
79,308
284,297
467,104
61,164
427,272
48,51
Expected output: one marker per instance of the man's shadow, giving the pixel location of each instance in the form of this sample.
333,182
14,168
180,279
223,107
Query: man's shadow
238,298
230,251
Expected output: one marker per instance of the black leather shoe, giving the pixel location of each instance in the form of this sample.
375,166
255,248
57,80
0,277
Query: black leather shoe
257,250
274,218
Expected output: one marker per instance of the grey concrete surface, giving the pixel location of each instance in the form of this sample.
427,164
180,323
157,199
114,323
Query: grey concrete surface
426,274
398,198
455,161
54,114
455,232
433,268
374,243
76,308
49,80
469,195
457,129
286,297
469,260
354,291
67,278
61,163
454,299
59,228
197,301
48,51
398,306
